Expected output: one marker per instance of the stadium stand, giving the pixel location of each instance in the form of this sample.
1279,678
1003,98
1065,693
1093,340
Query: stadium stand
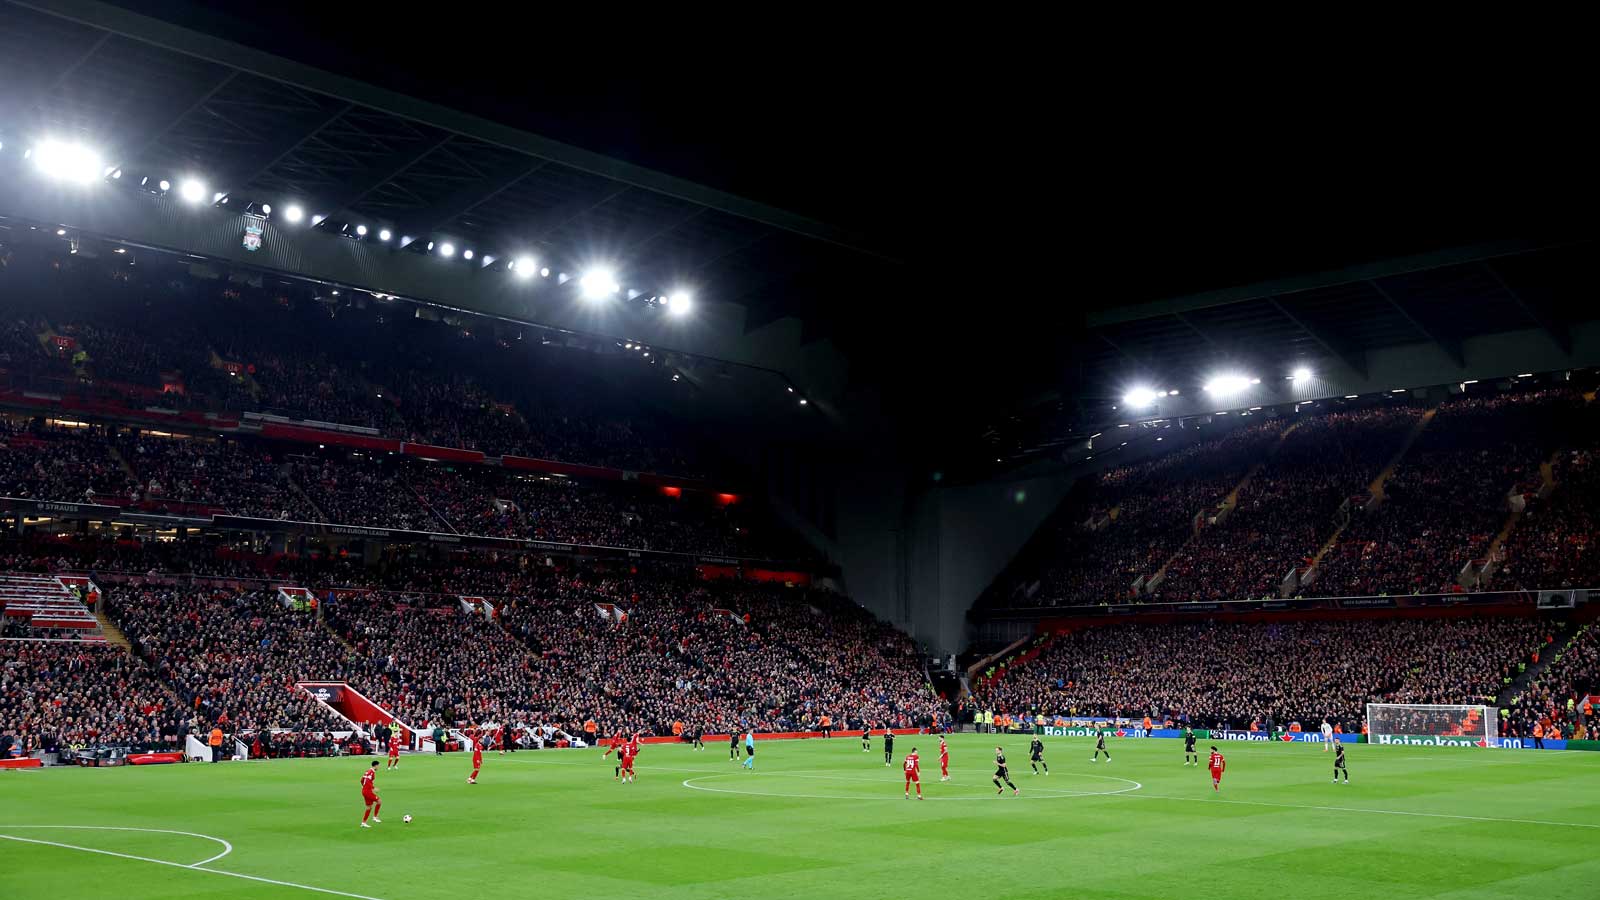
55,695
107,333
1236,674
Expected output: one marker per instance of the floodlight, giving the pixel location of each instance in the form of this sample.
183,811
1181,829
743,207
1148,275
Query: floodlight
597,283
164,184
192,190
67,162
1301,374
525,267
1140,397
266,209
1223,385
467,254
294,213
361,231
679,304
384,234
447,249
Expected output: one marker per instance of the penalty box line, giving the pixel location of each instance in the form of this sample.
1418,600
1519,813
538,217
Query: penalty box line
195,867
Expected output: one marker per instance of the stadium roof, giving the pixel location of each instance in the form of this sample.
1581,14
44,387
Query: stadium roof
168,98
983,235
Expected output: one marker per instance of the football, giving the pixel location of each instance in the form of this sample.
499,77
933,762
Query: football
406,819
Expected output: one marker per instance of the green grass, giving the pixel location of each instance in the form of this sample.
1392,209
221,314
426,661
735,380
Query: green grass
823,819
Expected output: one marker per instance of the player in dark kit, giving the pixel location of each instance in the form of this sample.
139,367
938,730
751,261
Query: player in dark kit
888,746
1338,764
699,737
1100,747
1002,773
733,745
866,739
1036,756
1191,757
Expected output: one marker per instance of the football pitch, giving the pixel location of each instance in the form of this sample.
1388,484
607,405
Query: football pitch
819,819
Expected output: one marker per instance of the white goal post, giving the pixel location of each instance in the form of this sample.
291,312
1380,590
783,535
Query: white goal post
1461,725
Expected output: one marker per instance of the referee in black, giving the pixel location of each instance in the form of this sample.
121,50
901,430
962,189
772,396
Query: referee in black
1338,764
888,746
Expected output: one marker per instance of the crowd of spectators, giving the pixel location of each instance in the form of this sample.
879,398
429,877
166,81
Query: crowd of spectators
367,491
75,465
1128,521
234,657
1574,675
717,655
460,382
235,476
1289,508
1557,543
501,503
1236,674
55,695
1449,496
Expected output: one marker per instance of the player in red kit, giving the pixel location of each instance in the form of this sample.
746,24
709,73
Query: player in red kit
477,761
369,795
394,753
615,745
913,766
629,751
1217,765
944,759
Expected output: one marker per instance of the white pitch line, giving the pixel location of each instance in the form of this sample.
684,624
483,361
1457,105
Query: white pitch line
1044,793
1357,809
188,867
226,847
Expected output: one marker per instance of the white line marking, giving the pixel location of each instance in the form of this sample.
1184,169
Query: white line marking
1048,793
192,868
226,847
1381,812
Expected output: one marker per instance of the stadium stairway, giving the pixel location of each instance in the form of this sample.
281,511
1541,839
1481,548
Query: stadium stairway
114,635
1226,507
437,516
123,464
1511,692
1376,488
295,486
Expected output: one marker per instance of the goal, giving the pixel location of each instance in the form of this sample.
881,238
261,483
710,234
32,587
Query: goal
1437,725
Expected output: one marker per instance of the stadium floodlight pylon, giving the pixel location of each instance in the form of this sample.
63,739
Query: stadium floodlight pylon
1441,725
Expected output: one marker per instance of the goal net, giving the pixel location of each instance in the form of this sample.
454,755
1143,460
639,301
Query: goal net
1438,725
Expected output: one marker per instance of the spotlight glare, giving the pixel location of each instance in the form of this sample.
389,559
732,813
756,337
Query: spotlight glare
266,209
524,266
545,272
67,162
1224,385
192,190
361,230
164,184
317,220
1301,374
294,213
384,234
447,249
597,283
679,303
1139,397
466,254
